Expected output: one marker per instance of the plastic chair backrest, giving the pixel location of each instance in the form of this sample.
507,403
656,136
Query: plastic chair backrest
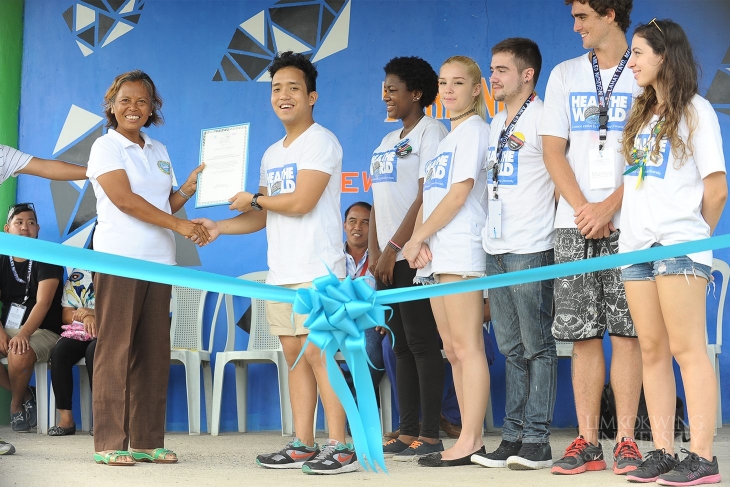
260,338
186,328
723,268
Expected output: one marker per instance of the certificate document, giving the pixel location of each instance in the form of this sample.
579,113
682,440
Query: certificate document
224,150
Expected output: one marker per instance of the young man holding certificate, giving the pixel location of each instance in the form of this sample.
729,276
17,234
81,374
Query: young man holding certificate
299,205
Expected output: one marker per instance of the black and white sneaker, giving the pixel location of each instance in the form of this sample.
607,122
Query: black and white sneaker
334,458
19,422
417,450
497,458
693,470
656,463
31,410
293,455
532,456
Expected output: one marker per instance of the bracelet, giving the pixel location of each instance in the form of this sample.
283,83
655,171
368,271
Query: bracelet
394,246
183,194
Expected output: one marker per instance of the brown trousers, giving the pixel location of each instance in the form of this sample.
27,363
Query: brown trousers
131,363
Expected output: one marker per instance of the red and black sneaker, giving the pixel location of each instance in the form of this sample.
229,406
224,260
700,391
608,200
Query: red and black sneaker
580,457
626,456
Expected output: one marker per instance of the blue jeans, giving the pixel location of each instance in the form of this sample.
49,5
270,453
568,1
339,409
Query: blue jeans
522,320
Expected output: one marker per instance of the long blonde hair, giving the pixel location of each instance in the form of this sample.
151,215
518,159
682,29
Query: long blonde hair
475,74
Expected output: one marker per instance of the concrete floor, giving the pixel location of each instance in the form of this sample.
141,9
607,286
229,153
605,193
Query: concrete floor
229,459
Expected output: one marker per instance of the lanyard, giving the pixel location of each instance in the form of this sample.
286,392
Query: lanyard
18,279
502,142
364,267
604,100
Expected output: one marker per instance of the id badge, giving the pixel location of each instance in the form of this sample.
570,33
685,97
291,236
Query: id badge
494,218
15,316
602,166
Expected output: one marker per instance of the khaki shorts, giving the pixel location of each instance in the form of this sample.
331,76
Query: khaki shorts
41,341
281,320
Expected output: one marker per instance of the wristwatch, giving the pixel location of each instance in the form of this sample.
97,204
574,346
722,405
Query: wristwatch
254,202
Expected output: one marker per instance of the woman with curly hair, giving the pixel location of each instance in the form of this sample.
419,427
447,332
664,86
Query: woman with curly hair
410,85
674,192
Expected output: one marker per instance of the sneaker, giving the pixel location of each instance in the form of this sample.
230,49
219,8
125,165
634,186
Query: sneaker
532,456
6,448
693,470
626,456
31,411
656,463
19,422
334,458
293,455
391,447
580,457
498,458
417,450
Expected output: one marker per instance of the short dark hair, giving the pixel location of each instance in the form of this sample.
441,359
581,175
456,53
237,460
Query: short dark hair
525,52
19,208
156,117
290,59
621,7
417,74
361,204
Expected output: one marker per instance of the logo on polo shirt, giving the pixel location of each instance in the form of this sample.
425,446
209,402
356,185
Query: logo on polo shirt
282,179
164,166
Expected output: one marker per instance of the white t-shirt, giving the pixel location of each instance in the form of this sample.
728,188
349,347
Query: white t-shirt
302,247
665,207
12,161
571,89
150,176
525,189
462,155
395,179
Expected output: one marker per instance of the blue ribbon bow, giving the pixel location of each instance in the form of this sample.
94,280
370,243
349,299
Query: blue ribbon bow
339,313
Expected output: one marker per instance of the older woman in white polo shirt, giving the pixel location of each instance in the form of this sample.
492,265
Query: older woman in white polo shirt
132,179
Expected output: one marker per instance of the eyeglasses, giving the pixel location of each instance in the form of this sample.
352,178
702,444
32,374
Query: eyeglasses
20,208
653,21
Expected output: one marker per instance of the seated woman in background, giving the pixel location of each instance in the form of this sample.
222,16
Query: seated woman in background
77,341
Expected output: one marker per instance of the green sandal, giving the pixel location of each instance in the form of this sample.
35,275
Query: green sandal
111,458
157,456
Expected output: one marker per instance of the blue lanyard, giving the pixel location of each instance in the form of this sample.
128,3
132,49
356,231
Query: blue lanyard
604,100
502,142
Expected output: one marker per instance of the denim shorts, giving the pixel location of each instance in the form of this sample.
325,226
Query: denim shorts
681,265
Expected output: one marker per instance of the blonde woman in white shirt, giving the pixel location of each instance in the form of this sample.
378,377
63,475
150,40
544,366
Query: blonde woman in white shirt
453,215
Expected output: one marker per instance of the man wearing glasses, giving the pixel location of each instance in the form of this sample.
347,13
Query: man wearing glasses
30,292
14,162
587,103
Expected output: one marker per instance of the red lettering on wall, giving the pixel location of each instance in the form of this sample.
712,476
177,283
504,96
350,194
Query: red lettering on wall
347,182
366,181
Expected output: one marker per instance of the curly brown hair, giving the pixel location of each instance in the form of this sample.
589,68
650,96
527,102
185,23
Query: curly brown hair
677,82
622,9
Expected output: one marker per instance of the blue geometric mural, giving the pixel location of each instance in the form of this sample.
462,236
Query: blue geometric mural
97,23
316,29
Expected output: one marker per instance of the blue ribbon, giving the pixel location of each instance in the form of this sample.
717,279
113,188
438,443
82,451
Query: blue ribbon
339,313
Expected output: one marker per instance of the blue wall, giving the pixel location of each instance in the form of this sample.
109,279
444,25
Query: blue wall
180,43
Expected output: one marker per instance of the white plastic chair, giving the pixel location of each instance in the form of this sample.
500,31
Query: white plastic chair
41,390
714,349
86,406
263,347
186,342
